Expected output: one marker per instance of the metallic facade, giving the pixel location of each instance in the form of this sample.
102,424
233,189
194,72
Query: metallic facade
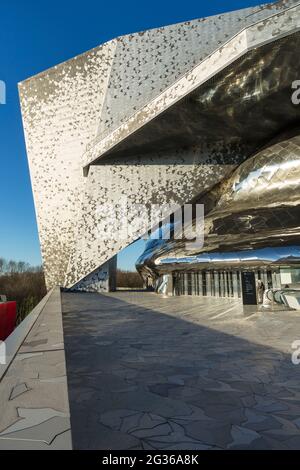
252,223
258,202
170,115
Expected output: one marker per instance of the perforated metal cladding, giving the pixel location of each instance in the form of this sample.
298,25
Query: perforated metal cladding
60,109
153,179
146,63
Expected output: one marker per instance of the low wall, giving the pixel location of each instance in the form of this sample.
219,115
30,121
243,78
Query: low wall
34,403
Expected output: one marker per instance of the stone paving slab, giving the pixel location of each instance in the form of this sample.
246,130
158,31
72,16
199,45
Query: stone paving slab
34,406
145,372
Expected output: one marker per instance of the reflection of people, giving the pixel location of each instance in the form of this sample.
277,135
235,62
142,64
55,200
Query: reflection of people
260,291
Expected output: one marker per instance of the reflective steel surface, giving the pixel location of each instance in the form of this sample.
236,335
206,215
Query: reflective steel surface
251,219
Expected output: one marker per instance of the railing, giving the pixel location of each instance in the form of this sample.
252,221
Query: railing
8,314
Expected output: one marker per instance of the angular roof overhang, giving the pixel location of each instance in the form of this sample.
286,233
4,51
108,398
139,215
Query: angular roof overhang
246,79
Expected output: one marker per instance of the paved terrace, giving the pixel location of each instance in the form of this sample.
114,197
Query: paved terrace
179,373
146,372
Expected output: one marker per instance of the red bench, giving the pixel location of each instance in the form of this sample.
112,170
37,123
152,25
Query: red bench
8,313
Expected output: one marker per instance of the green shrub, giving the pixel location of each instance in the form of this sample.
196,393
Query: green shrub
27,288
129,279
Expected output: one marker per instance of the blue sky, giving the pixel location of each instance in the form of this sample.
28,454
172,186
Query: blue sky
37,35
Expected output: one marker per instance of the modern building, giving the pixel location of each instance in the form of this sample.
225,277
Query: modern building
251,229
198,112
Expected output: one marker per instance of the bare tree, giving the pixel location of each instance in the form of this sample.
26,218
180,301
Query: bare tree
12,266
22,267
2,265
23,283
